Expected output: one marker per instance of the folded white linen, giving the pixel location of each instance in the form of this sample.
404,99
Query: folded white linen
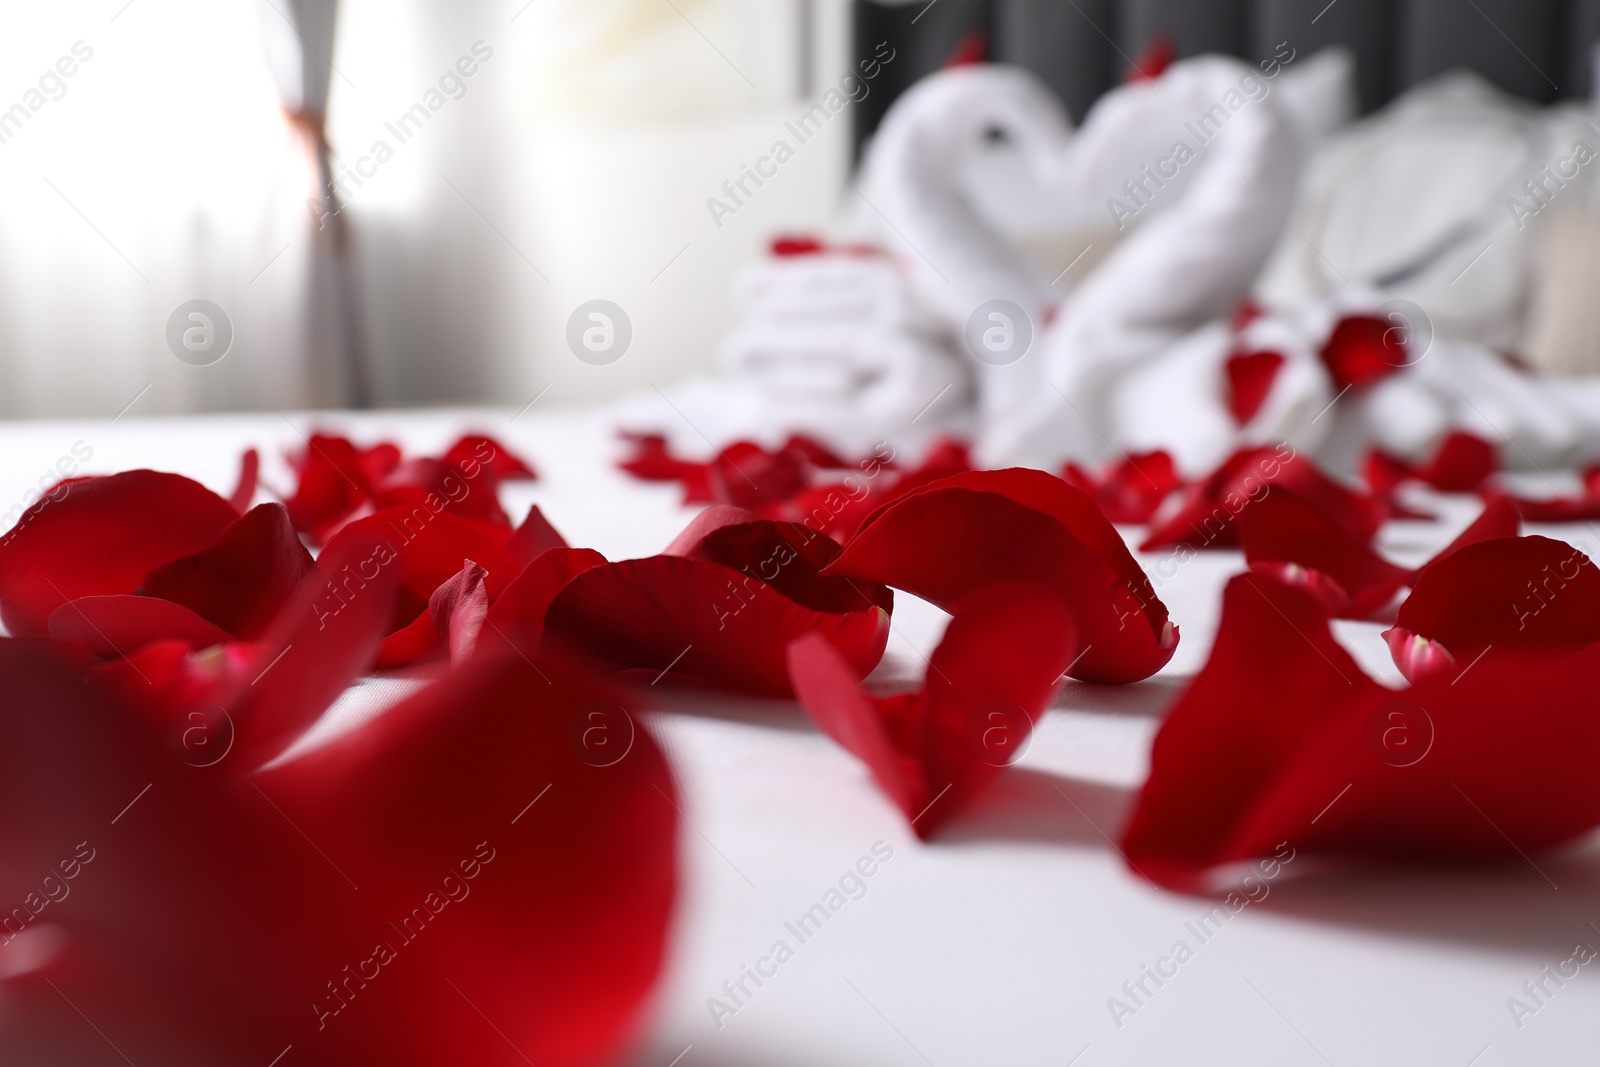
831,341
1206,156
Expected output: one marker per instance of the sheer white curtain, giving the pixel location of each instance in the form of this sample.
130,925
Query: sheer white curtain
498,161
161,169
575,165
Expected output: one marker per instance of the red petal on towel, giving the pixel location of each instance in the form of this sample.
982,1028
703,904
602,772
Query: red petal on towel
1510,595
172,937
1205,517
242,580
1363,349
1250,376
704,619
796,245
517,616
943,542
334,478
1461,464
991,678
533,538
458,609
432,546
1281,745
121,625
1283,529
100,537
1158,54
244,490
1128,490
971,49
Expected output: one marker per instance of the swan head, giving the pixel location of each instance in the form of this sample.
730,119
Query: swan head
955,115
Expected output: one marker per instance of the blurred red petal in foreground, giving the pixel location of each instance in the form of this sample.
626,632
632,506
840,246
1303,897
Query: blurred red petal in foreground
1281,742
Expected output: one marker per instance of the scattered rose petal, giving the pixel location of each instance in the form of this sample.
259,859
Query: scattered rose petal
991,678
1282,745
724,613
1205,515
1362,349
100,537
241,581
946,540
1130,490
1508,595
1250,376
458,609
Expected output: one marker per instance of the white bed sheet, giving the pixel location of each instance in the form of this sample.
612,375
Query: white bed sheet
1002,942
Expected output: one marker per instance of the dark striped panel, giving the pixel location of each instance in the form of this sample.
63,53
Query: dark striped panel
1514,43
1366,27
1067,45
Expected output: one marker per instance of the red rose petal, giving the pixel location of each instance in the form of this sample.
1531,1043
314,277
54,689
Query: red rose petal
1205,517
1499,518
473,452
1128,490
702,619
990,679
100,537
432,546
1250,376
1158,54
1558,509
653,461
786,556
1461,463
324,637
1524,595
1417,656
434,484
1283,529
121,625
242,580
334,478
517,616
1362,349
414,642
1282,745
533,538
943,542
491,765
458,609
450,810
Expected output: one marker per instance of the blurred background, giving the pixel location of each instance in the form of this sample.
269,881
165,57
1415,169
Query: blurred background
400,202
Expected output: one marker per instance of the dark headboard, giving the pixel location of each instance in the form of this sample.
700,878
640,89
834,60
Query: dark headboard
1538,49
